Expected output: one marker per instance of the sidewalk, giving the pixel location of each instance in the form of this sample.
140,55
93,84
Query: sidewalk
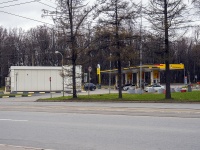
12,147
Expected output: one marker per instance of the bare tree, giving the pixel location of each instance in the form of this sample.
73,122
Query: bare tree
165,16
3,55
114,14
70,16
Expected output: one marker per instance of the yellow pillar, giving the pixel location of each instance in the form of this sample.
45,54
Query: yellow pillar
99,74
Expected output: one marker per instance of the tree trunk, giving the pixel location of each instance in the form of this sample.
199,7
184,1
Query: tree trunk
74,77
73,47
167,70
118,51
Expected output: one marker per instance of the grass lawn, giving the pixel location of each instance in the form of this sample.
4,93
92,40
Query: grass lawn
2,89
193,96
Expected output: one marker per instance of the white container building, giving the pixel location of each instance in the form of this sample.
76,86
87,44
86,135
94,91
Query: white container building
40,78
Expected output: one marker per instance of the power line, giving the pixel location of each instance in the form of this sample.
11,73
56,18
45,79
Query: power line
20,4
9,1
25,3
46,5
50,1
25,17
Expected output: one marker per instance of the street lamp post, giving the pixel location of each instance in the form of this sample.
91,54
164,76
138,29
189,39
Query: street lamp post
57,52
184,77
110,74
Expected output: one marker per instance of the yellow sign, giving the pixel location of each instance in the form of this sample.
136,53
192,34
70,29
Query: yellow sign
171,66
176,66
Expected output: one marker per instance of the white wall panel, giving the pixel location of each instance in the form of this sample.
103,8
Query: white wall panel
36,78
41,79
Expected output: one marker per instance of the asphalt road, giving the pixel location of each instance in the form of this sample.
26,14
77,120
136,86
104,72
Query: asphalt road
97,126
77,131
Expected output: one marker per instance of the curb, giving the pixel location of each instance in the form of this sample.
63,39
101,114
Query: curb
30,93
33,92
16,96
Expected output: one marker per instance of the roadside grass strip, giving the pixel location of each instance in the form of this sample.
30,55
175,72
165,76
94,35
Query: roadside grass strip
193,96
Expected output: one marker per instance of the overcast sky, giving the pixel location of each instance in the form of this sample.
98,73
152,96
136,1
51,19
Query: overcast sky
21,13
10,10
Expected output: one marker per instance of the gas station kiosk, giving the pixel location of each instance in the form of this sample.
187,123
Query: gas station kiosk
134,72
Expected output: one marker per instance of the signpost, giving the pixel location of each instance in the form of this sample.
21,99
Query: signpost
185,80
85,77
195,77
50,86
16,80
89,70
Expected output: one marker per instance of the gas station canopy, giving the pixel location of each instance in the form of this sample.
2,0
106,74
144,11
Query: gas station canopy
146,68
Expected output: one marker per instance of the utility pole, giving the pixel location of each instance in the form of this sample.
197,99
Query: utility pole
141,50
110,74
63,77
119,66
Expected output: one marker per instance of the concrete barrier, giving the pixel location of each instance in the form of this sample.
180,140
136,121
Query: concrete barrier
139,91
160,91
177,89
151,90
131,91
172,90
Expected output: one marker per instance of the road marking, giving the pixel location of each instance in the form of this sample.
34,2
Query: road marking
13,120
5,146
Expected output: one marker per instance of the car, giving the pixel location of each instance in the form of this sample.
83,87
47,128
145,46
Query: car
126,87
156,87
89,86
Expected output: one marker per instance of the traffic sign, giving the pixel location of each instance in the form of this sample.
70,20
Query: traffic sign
89,69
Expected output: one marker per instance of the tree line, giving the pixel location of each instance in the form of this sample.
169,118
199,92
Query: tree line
106,31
